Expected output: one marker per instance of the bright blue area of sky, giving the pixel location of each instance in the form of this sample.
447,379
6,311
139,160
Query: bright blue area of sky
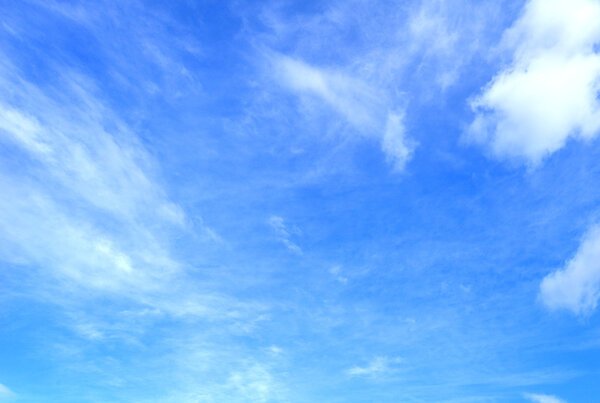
324,275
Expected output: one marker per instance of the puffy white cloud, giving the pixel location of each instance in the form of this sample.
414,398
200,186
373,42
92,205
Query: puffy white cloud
538,398
549,92
576,287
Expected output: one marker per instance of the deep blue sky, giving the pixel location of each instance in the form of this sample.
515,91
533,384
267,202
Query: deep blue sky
294,201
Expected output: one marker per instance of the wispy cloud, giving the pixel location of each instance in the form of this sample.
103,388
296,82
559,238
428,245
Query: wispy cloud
284,233
361,105
255,384
153,37
353,99
395,144
85,205
86,211
88,224
549,92
336,272
400,57
539,398
377,367
6,393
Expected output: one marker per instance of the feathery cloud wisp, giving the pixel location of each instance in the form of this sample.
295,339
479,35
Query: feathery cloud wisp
360,104
284,233
539,398
377,366
85,205
5,392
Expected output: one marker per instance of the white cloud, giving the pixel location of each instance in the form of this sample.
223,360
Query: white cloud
352,98
84,204
396,54
336,271
5,392
396,146
576,287
360,104
84,215
433,36
76,151
377,366
255,384
36,230
284,233
548,93
154,38
83,209
275,350
538,398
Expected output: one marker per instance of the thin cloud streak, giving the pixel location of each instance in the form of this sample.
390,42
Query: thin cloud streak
539,398
363,107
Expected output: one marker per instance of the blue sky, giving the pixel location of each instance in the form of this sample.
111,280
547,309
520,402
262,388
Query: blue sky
295,201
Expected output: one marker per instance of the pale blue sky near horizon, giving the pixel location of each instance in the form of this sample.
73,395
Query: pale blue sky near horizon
298,201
